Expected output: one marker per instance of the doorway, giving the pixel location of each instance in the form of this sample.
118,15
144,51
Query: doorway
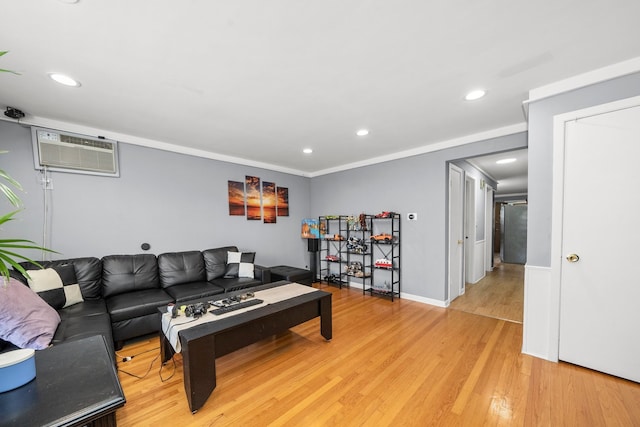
500,293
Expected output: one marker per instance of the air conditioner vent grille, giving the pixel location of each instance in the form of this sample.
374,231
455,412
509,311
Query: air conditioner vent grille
64,152
85,142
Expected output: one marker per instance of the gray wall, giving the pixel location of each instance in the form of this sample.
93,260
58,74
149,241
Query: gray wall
177,202
541,115
174,202
415,184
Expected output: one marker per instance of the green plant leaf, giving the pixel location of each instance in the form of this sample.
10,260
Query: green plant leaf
7,256
7,71
12,181
8,217
8,192
4,269
10,195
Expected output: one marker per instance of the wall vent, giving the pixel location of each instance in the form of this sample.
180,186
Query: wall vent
70,152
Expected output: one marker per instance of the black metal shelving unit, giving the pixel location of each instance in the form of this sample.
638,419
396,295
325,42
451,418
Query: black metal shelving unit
333,239
385,257
358,250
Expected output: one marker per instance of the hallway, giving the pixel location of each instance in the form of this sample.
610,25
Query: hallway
500,294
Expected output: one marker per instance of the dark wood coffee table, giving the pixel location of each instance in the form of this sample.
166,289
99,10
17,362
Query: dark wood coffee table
75,385
201,344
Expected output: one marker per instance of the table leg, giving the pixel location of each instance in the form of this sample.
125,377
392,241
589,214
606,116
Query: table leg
108,420
326,322
199,365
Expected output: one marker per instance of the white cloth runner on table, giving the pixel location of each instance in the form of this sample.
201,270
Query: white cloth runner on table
171,326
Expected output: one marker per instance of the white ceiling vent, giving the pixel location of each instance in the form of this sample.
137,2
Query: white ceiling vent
70,152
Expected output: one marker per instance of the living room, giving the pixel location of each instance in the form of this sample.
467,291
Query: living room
174,197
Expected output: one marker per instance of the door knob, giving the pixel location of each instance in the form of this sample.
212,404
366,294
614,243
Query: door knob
573,258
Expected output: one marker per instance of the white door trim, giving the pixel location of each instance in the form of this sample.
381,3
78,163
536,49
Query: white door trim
557,210
450,240
469,231
488,228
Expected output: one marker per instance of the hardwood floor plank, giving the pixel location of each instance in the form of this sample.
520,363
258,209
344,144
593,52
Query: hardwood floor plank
499,294
479,366
388,364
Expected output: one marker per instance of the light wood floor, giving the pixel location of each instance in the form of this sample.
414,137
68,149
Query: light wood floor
499,294
398,363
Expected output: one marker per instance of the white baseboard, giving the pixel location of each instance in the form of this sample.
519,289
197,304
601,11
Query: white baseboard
424,300
411,297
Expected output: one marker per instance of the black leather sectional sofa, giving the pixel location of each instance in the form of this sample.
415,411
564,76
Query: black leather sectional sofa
122,293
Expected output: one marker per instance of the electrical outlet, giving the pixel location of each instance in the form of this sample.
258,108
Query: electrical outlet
47,183
412,216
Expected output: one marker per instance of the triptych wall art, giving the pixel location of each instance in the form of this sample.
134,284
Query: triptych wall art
258,202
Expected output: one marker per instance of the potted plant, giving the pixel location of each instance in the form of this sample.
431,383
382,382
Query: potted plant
7,246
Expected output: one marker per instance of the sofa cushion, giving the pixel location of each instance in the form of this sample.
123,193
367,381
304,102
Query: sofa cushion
235,284
239,264
88,272
136,304
57,285
82,327
18,276
192,291
96,307
128,273
82,320
177,268
215,261
26,320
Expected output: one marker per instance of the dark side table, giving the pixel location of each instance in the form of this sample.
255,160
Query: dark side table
76,384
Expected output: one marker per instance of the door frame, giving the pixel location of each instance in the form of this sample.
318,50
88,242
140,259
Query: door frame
450,239
557,197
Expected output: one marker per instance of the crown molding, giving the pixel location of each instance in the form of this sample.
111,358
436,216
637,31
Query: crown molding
30,120
442,145
586,79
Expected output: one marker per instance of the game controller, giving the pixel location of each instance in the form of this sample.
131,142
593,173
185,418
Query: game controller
196,310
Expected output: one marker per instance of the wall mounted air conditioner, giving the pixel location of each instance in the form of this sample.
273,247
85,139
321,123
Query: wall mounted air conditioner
69,152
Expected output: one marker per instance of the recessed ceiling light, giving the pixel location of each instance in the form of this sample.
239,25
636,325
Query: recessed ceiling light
505,161
307,151
475,94
64,80
362,132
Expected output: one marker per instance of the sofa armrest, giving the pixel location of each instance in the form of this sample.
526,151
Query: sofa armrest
262,273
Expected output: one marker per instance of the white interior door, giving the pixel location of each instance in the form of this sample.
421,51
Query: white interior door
456,231
469,230
599,291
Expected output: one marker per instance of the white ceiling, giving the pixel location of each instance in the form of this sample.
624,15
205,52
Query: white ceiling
511,177
261,80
